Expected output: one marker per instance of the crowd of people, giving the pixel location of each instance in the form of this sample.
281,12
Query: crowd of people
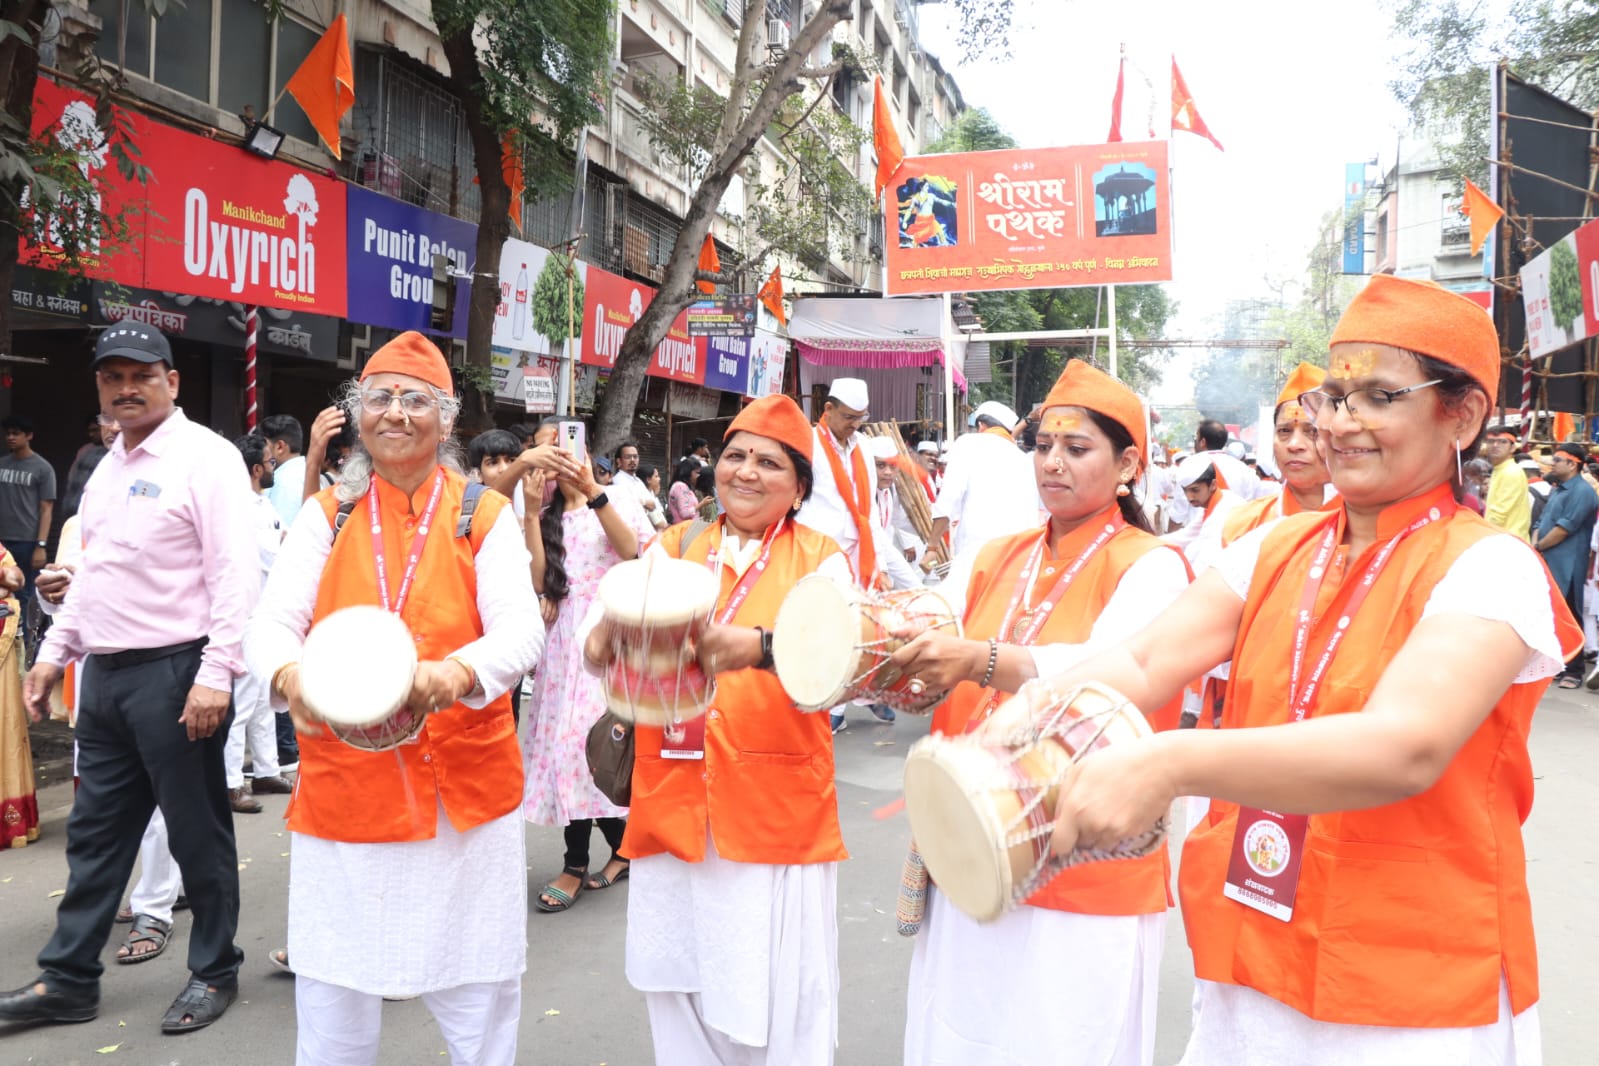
1217,593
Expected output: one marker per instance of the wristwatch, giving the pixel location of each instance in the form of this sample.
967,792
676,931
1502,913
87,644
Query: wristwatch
599,501
765,662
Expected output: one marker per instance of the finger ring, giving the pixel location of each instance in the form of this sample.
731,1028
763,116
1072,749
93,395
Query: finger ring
917,686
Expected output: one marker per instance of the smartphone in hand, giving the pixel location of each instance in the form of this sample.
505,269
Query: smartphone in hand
573,436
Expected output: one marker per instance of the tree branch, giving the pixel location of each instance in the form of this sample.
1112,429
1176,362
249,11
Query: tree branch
820,96
817,73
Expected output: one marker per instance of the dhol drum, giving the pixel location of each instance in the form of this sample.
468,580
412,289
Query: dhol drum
982,806
831,643
657,608
356,668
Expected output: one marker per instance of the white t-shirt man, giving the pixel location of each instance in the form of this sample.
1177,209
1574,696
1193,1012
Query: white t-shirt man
989,490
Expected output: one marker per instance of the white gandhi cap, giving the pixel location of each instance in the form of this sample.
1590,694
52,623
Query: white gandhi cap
927,446
995,410
1192,469
851,392
881,447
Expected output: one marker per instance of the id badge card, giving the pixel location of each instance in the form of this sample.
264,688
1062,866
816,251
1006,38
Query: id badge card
685,740
1263,868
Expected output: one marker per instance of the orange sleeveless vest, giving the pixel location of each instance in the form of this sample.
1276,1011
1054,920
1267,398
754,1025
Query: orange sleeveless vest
467,759
1408,913
765,787
1139,886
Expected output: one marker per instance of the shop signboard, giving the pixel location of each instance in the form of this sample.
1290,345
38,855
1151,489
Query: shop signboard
1030,219
219,322
389,273
538,389
611,305
46,297
1560,289
768,353
722,316
727,363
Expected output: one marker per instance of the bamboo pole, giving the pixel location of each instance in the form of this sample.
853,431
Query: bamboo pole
911,495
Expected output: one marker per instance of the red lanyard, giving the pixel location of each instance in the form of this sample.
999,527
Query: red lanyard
418,542
885,505
1303,698
741,591
1033,621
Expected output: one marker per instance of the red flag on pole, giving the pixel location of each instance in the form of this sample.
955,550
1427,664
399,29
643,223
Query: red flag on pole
1116,101
1483,213
1184,116
890,153
710,262
771,295
324,85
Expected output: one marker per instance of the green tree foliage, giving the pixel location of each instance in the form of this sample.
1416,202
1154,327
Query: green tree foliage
553,312
536,71
1451,46
1565,285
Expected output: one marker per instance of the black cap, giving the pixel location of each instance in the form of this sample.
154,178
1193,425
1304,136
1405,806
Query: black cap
131,340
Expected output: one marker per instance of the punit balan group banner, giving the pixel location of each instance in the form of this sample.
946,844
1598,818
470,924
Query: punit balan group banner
1030,219
390,275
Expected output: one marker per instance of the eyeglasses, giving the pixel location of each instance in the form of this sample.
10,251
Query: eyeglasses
1363,405
377,401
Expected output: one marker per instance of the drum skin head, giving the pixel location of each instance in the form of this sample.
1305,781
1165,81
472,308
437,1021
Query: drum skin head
958,833
654,591
816,642
357,665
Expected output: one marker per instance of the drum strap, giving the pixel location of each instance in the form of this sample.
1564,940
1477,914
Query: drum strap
463,526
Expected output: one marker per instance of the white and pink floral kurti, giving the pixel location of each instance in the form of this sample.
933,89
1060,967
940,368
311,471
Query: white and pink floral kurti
567,700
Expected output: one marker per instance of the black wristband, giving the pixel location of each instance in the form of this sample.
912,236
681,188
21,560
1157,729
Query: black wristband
599,501
765,662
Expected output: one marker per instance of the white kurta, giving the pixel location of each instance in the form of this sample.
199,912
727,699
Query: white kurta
830,509
989,491
1025,988
406,918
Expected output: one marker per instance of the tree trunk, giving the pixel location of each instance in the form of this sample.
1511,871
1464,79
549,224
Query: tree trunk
614,419
19,73
493,229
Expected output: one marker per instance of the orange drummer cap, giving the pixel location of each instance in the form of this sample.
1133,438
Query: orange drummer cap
415,356
1306,377
1081,385
1427,319
777,417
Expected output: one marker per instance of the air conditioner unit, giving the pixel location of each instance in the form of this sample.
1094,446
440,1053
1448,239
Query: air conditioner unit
777,35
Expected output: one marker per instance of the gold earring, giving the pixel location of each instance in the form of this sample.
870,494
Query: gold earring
797,504
1123,490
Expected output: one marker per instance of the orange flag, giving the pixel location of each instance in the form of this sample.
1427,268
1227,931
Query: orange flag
711,263
1483,212
1116,102
1184,116
1565,426
890,153
511,170
771,295
324,85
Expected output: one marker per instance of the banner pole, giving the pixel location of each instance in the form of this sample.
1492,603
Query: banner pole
252,326
949,368
1110,301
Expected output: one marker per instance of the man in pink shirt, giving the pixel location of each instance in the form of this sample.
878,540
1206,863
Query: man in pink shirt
157,610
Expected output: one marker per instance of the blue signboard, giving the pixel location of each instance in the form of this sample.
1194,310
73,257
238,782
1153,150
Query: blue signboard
1354,218
390,250
726,363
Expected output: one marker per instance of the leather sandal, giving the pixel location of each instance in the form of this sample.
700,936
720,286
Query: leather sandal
198,1005
563,900
147,929
599,880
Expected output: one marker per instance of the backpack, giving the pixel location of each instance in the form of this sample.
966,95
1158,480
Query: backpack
463,526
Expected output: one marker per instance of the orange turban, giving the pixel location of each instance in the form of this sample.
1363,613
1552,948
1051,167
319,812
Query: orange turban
1427,319
777,417
1080,385
414,356
1305,378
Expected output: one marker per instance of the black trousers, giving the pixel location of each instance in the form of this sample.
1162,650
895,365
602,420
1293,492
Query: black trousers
134,755
577,839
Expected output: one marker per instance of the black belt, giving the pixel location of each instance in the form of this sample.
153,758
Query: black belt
120,660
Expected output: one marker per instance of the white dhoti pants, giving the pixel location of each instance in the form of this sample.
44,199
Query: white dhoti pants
340,1026
255,723
160,880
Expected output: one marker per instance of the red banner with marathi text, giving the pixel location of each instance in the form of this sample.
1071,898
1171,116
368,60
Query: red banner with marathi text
1030,219
611,304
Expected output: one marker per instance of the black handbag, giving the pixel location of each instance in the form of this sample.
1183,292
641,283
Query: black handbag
610,757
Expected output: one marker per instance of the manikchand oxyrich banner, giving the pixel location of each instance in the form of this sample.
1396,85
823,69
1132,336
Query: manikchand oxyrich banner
1030,219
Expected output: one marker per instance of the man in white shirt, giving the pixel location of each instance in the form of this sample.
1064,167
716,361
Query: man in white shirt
254,720
285,445
898,534
1212,501
844,487
627,480
989,490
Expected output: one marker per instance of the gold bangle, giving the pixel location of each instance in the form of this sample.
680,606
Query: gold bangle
276,685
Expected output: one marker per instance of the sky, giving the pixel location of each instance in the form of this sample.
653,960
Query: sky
1292,91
